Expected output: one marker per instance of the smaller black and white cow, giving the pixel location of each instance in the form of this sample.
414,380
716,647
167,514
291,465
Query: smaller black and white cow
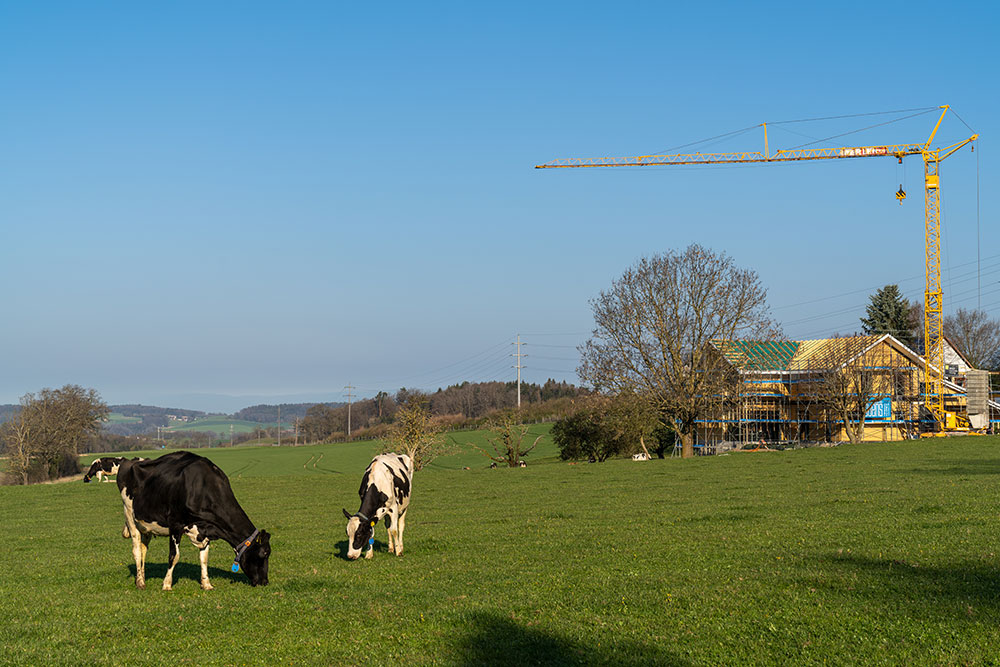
104,468
185,494
385,493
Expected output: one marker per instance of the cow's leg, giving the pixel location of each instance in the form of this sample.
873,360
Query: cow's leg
390,527
140,543
203,559
172,558
140,573
400,524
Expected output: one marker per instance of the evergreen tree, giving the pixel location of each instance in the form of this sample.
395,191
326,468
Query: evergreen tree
888,313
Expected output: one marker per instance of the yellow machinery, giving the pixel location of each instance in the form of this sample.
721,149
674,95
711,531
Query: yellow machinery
933,301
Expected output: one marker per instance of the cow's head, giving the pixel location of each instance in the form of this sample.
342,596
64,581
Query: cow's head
253,562
359,532
94,467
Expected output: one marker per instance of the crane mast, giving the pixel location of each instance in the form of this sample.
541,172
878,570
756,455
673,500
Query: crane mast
933,295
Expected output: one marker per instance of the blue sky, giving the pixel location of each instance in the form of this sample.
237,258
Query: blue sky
202,200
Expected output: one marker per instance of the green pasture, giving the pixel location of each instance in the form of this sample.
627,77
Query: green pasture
882,554
218,425
118,418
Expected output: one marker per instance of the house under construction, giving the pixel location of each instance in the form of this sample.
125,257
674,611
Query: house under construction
871,387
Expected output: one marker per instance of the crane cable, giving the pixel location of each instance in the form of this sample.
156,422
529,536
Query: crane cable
844,134
921,110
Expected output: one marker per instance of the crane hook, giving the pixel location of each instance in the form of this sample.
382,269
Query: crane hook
900,194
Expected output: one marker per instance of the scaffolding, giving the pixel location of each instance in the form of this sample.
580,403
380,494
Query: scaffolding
778,403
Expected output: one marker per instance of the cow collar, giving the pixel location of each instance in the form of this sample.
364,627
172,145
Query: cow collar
371,540
244,545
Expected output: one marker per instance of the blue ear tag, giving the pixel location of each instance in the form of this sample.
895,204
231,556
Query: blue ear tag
236,567
371,540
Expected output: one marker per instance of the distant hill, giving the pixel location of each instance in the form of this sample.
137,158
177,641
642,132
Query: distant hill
269,413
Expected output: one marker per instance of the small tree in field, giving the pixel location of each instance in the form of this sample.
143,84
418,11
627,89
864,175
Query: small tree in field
654,329
605,427
414,434
505,436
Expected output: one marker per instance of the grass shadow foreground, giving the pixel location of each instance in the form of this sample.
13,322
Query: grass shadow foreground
496,640
977,583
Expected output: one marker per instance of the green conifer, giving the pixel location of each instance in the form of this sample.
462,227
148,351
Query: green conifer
888,313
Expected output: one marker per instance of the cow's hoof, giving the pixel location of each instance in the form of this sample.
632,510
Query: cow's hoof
369,555
167,588
141,585
205,586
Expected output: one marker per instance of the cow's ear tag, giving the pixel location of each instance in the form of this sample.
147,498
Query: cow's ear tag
373,524
236,567
371,541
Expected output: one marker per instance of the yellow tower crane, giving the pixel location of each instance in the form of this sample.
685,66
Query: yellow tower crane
933,297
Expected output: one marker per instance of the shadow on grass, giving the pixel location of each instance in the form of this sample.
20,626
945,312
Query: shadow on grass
496,640
974,583
961,467
184,571
340,550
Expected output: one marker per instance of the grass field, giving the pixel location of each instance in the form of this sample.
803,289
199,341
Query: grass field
218,425
865,554
118,418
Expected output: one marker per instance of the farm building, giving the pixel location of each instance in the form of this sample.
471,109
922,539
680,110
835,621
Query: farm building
820,390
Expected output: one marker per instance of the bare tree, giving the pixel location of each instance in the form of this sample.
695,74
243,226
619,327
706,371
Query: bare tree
16,435
976,336
853,374
52,425
505,435
654,326
414,433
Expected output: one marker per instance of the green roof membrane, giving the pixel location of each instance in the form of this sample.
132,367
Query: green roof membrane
759,355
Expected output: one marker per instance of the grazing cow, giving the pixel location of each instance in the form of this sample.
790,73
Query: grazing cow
103,468
185,494
385,492
522,464
641,456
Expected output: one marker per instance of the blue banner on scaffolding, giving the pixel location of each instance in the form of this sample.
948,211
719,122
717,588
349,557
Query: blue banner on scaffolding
880,411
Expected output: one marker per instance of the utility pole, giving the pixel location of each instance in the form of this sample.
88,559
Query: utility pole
279,426
517,355
349,396
230,435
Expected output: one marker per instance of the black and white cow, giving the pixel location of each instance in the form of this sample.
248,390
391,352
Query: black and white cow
103,468
185,494
385,493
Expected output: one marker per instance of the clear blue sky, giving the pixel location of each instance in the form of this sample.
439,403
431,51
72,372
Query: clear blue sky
275,200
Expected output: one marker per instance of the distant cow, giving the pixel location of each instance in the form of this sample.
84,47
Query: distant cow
103,468
641,456
185,494
385,492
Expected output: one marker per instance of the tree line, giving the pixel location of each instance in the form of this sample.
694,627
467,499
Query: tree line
462,405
